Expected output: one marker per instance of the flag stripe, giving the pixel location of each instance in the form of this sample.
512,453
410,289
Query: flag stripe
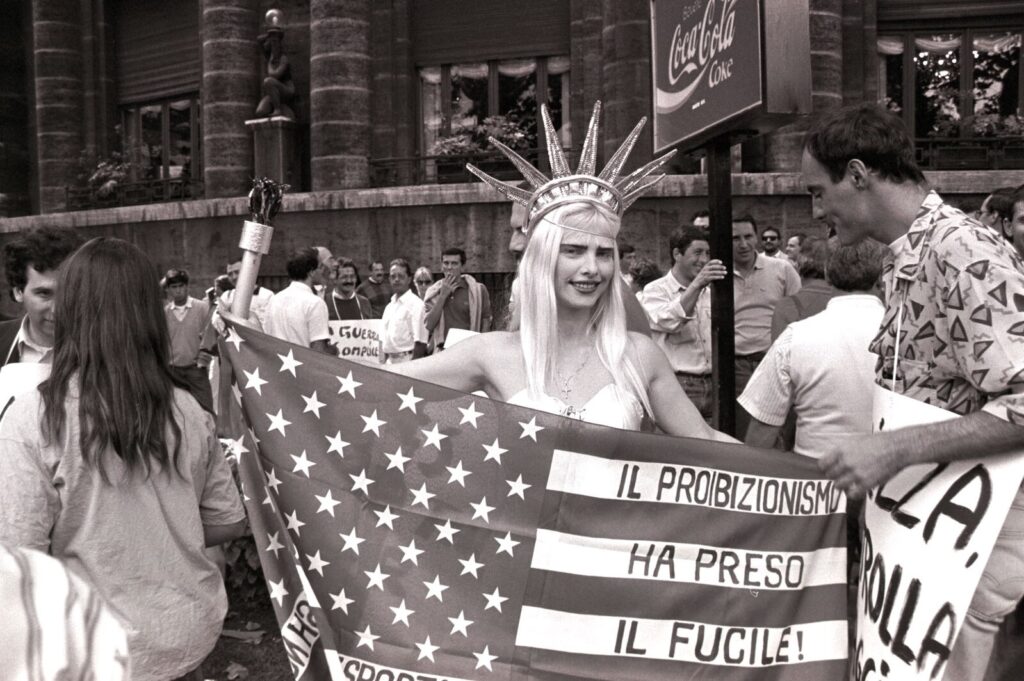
668,483
689,641
694,563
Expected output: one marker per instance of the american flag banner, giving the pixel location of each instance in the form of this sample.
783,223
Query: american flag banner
412,532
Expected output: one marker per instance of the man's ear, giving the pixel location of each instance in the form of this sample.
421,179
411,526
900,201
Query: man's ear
19,295
858,173
675,254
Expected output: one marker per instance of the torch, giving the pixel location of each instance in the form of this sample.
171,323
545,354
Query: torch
264,203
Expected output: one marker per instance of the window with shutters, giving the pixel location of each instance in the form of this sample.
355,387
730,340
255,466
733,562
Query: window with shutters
161,142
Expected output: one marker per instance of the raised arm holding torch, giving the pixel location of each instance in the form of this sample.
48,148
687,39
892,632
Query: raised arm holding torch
264,203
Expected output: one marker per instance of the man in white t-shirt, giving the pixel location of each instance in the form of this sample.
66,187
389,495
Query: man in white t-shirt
297,314
261,295
821,366
404,332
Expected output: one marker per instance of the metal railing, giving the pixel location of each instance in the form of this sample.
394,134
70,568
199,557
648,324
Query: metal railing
410,170
970,153
135,193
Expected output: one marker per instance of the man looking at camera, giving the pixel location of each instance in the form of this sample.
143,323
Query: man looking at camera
457,301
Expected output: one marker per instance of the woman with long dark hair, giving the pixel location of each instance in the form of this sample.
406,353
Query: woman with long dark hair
113,468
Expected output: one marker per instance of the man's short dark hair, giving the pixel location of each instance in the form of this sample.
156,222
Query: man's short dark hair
644,271
403,263
856,267
44,248
376,262
455,250
302,263
176,275
1001,202
747,217
867,132
771,229
814,255
683,237
626,249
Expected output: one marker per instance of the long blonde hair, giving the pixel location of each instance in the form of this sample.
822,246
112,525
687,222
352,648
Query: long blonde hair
535,307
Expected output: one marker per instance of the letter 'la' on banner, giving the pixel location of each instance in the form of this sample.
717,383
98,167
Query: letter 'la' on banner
408,531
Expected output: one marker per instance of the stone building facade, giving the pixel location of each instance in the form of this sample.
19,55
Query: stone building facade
377,84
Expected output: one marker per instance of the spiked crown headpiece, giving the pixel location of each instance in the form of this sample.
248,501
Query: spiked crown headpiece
606,189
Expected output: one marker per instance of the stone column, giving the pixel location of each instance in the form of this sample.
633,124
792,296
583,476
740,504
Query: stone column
626,73
14,165
394,109
339,93
585,55
231,63
784,146
57,99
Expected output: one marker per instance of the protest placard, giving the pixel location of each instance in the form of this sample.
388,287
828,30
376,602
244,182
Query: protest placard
927,537
357,339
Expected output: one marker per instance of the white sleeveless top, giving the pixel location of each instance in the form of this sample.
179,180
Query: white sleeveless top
610,406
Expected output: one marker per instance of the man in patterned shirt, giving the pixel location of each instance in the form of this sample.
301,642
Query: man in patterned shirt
960,292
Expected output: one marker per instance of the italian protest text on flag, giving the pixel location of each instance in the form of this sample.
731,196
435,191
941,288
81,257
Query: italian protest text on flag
411,532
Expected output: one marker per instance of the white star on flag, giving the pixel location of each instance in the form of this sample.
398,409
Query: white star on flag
530,429
341,601
272,481
401,613
481,510
348,385
255,382
494,600
507,544
426,650
458,474
410,552
459,624
352,541
372,423
366,638
446,531
302,463
483,658
518,487
236,392
470,566
268,501
316,563
386,517
361,482
327,503
234,447
494,452
409,400
397,460
294,523
422,496
289,363
434,437
376,578
337,444
235,339
312,404
435,588
277,591
273,544
470,414
278,422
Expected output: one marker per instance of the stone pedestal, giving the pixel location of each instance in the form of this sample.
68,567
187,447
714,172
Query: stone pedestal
275,150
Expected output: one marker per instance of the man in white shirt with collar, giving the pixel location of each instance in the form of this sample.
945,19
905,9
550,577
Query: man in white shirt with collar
678,306
297,314
404,332
261,295
31,262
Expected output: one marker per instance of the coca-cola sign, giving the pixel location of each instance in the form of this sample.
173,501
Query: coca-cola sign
706,56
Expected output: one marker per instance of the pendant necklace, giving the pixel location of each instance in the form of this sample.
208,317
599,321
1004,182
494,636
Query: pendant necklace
565,389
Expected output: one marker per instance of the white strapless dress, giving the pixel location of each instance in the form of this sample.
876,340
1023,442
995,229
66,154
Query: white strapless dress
610,406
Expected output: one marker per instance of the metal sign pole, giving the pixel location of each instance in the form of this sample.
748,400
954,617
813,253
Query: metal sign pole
722,322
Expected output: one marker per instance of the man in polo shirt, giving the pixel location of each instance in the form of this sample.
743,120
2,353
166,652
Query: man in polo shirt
759,282
297,314
376,289
187,319
457,301
31,262
404,334
679,308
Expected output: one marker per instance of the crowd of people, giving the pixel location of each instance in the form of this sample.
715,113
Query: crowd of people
123,425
